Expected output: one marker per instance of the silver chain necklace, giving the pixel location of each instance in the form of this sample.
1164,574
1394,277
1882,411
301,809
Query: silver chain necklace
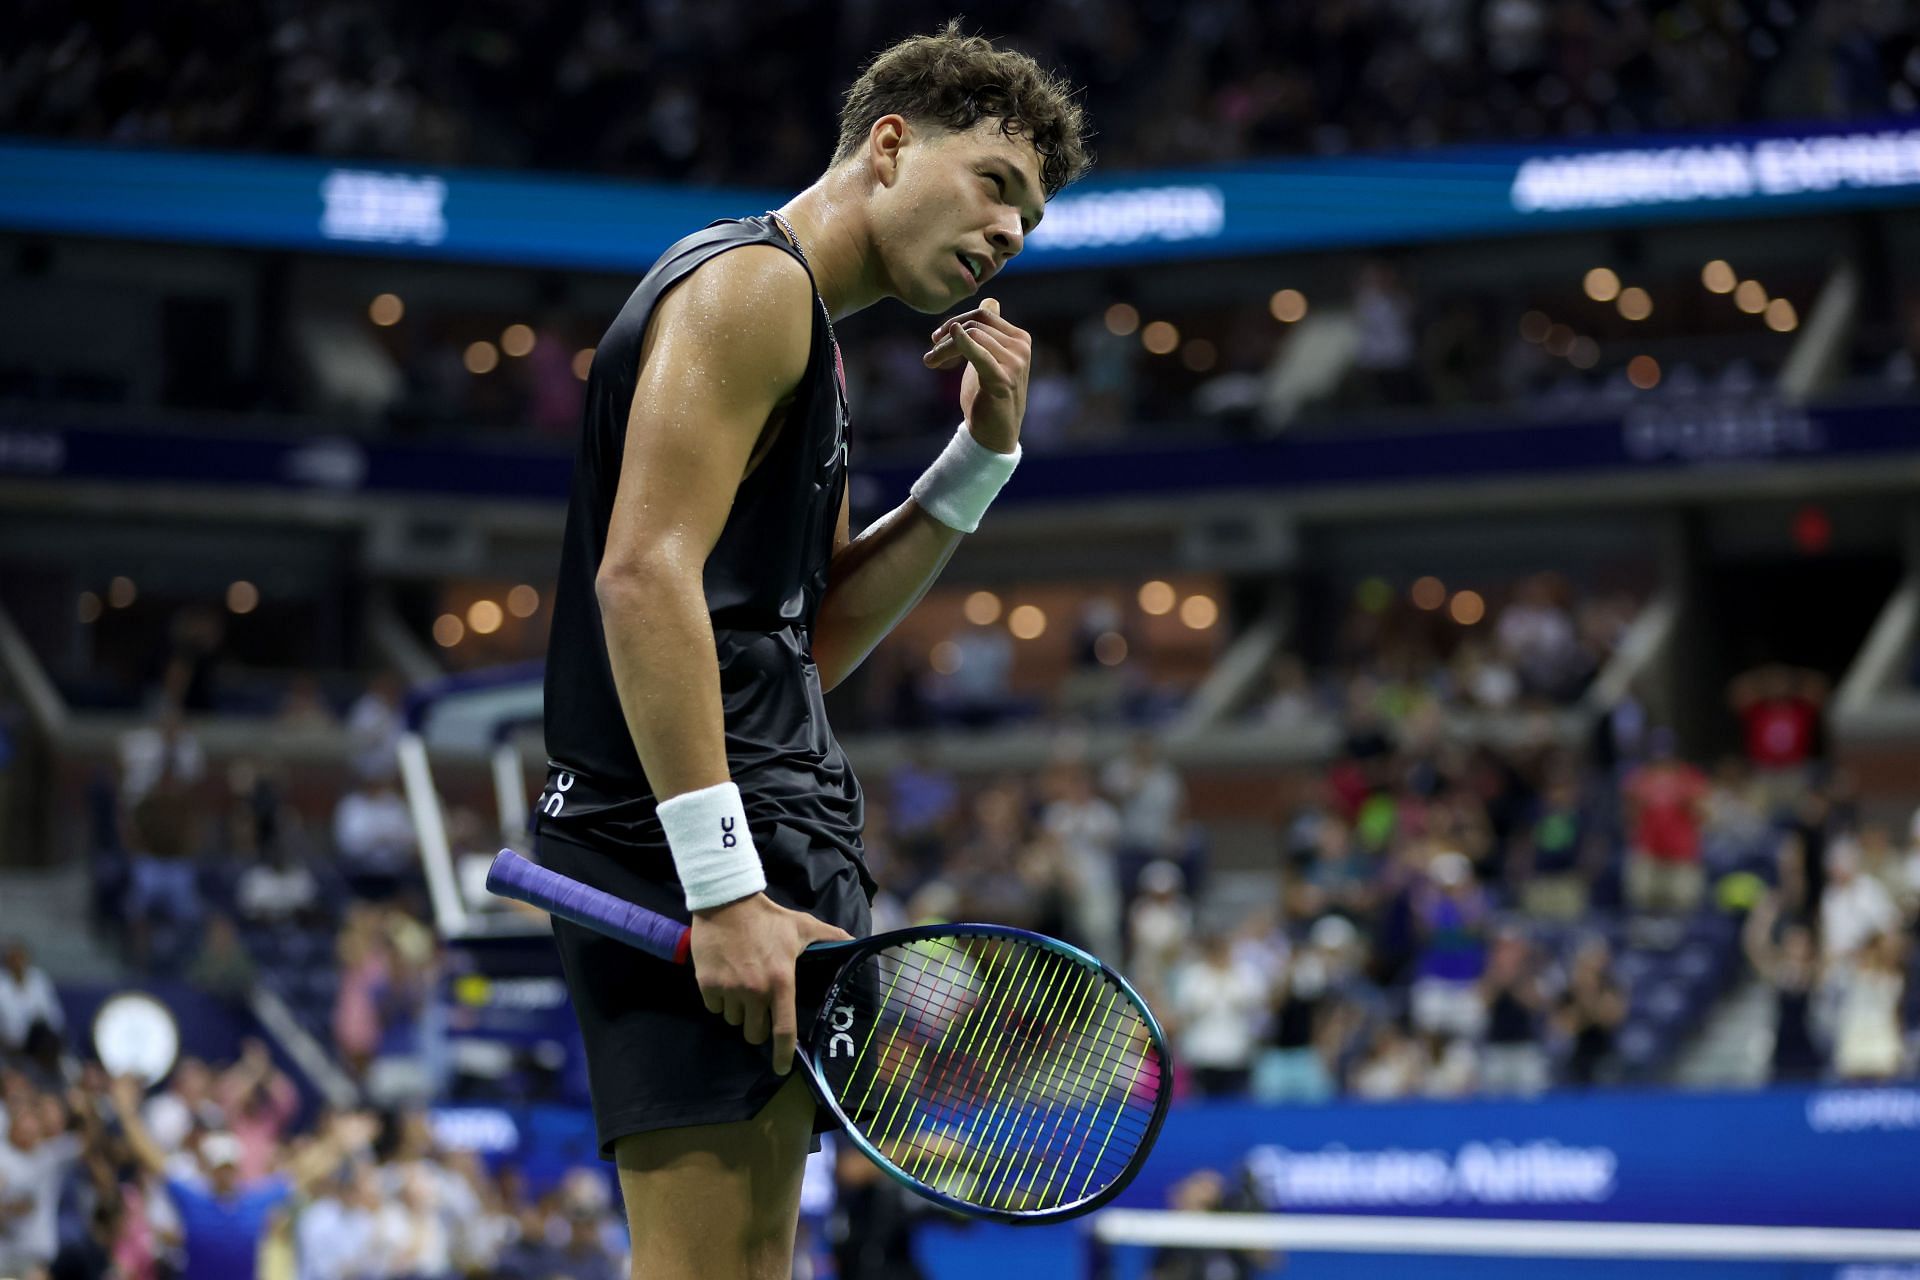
786,229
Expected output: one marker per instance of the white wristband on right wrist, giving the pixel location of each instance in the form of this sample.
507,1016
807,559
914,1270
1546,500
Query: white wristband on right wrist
963,481
712,849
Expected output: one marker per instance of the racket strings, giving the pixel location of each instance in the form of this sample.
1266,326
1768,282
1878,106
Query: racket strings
1000,1072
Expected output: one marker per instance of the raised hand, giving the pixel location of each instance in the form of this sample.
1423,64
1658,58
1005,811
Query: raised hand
999,354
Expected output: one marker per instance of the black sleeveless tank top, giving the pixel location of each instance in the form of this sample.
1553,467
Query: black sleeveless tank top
764,582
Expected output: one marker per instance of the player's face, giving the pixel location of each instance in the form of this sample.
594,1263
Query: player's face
960,209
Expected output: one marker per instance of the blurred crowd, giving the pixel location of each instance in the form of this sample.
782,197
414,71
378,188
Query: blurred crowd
648,91
1454,917
217,1175
1396,659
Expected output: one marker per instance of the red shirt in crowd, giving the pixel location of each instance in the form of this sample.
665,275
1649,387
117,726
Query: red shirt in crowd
1780,731
1666,798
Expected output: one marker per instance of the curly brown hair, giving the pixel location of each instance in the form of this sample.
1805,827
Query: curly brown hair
955,80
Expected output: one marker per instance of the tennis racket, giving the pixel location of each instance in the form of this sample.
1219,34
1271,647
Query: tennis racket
1000,1073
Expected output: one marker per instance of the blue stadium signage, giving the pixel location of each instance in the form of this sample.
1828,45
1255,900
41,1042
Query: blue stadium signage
1130,218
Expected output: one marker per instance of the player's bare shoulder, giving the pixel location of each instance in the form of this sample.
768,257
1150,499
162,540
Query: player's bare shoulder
741,321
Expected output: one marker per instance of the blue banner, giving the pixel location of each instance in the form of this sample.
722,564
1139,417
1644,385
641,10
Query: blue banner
1837,1157
1224,211
1787,1157
1662,434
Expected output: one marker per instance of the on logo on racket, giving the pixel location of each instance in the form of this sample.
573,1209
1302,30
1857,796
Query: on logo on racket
841,1022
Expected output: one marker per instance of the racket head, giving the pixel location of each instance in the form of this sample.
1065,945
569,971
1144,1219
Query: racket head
1000,1073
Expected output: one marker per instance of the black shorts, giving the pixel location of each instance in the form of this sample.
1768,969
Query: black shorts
657,1058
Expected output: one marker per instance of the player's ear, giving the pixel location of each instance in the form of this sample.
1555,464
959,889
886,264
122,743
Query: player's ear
890,133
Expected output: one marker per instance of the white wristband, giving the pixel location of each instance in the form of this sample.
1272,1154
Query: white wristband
712,848
963,481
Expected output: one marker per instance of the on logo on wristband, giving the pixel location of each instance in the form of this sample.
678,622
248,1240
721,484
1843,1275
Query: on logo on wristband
727,840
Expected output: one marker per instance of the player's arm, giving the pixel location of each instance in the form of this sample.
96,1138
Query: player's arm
875,581
877,578
724,349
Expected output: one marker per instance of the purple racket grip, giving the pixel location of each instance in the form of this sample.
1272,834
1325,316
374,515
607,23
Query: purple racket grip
512,876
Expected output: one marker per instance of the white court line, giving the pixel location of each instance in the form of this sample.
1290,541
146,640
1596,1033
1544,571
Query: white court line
1359,1233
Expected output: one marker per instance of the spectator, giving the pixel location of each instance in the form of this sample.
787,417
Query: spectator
1665,802
1159,925
165,751
1779,708
1383,356
1910,864
1152,799
1088,831
1867,1044
221,965
1204,1191
1513,1061
1392,1066
1536,634
1451,915
1855,908
1216,1003
1736,818
373,833
276,888
162,844
925,801
334,1236
1879,860
258,1102
1289,701
363,954
1590,1011
1791,966
1557,854
972,690
1335,874
1310,1010
32,1022
224,1219
35,1155
190,679
374,726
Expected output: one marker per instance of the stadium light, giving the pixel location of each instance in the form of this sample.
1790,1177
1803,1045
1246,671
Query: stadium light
482,357
1635,303
516,340
1602,284
386,310
1288,306
982,608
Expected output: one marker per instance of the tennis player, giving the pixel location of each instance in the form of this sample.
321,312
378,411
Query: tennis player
709,593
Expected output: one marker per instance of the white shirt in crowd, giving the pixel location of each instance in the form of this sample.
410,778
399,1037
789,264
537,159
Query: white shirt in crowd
1853,913
1218,1007
333,1240
1089,833
268,892
25,1001
34,1175
1151,798
373,827
147,754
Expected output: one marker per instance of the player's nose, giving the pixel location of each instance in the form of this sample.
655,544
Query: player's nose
1006,240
